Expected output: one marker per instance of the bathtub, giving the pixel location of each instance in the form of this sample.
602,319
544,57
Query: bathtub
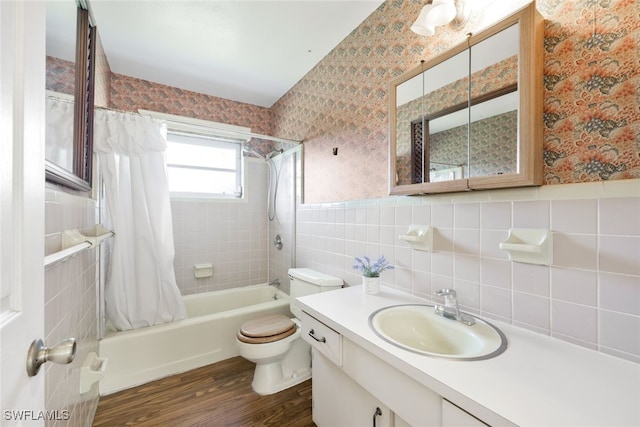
206,336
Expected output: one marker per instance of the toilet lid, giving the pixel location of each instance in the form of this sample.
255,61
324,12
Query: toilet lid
266,329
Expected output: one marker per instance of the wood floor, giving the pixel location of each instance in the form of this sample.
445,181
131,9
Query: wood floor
216,395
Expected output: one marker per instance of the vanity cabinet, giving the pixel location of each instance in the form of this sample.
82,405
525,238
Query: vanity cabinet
337,399
519,387
349,387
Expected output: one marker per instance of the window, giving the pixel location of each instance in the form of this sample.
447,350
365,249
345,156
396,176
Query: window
204,158
203,166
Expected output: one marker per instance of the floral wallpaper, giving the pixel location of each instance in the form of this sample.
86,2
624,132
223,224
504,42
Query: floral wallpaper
492,149
103,76
591,84
131,94
61,75
591,80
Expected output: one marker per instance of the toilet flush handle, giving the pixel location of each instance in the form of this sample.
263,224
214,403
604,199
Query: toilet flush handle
312,335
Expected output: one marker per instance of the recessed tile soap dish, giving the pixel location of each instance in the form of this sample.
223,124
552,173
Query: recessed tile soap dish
419,237
203,270
531,246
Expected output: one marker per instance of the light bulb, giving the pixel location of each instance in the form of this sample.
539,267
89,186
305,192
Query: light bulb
421,26
441,13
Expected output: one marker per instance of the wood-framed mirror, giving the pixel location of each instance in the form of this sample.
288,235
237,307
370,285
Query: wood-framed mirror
471,118
69,152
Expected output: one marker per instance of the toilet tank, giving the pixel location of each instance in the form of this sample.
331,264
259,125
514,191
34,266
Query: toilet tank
305,281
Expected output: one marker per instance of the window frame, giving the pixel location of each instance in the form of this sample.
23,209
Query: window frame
210,142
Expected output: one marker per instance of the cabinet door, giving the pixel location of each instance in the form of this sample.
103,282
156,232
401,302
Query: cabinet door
340,402
413,402
452,416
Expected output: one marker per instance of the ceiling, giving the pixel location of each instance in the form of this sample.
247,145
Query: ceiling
246,51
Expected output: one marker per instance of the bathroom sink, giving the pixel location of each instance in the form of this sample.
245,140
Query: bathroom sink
415,327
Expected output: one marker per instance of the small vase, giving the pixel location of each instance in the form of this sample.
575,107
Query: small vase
371,285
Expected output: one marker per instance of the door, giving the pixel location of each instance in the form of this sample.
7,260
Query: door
22,81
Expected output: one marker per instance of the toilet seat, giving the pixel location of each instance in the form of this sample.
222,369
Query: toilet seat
266,329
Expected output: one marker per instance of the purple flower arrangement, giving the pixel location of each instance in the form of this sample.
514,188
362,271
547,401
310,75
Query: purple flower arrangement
372,269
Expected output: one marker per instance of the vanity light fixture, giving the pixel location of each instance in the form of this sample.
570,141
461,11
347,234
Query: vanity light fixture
441,12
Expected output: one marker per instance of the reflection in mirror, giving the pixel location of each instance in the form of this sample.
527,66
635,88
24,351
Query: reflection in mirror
61,55
70,47
446,117
409,110
448,146
448,150
422,121
61,45
59,115
493,144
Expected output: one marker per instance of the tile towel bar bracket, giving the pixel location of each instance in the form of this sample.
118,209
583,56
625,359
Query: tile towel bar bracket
74,242
531,246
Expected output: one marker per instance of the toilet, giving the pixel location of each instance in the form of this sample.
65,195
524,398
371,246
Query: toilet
273,342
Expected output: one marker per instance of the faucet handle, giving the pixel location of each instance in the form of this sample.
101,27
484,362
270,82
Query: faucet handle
450,308
447,294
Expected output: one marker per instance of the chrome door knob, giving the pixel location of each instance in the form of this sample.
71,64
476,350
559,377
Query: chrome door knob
62,353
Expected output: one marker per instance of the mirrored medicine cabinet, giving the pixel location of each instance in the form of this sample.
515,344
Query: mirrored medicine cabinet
471,118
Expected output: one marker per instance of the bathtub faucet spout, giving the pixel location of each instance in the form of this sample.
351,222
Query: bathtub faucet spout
275,282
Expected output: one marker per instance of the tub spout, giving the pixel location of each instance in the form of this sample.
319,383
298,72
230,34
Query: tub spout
275,282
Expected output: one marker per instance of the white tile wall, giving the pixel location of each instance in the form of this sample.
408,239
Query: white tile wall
283,223
235,236
70,307
589,296
229,234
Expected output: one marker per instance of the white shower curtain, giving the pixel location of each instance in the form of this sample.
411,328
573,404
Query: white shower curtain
141,289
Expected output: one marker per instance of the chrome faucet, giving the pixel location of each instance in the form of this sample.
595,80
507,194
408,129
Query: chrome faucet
275,282
450,309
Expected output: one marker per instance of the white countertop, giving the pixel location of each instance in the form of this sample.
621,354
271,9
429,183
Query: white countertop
537,381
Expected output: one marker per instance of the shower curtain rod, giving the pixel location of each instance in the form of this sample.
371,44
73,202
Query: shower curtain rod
185,126
271,138
59,96
236,134
217,130
232,134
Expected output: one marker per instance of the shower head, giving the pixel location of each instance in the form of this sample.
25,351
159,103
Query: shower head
274,153
250,150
